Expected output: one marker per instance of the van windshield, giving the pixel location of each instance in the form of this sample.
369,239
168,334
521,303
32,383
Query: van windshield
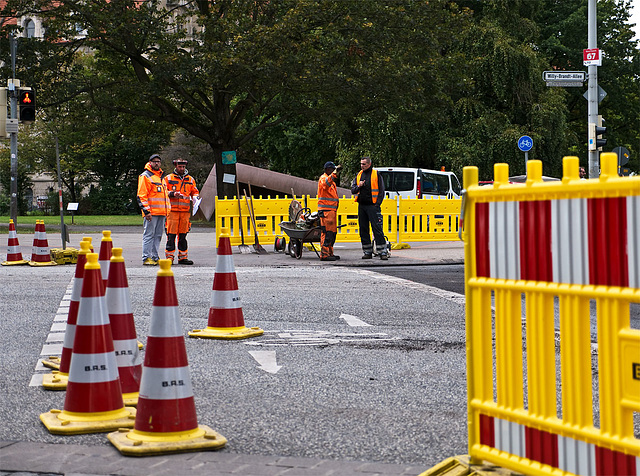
434,184
398,181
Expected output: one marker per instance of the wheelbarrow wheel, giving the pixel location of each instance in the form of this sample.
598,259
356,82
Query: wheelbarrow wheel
296,249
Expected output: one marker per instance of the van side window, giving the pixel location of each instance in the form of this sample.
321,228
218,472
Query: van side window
403,181
456,185
434,184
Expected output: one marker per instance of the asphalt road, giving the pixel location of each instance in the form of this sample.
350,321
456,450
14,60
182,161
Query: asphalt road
371,369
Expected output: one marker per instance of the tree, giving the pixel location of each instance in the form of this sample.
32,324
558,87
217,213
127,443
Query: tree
226,70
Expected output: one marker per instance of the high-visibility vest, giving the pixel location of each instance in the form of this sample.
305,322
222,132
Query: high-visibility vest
327,193
374,185
152,193
186,185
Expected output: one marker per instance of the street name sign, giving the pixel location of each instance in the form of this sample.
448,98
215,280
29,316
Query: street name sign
564,79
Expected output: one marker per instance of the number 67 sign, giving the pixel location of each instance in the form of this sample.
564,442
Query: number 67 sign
591,57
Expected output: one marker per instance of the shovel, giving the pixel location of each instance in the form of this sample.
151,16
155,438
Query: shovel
256,246
243,248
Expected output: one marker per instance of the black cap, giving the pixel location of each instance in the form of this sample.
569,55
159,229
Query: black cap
154,156
329,165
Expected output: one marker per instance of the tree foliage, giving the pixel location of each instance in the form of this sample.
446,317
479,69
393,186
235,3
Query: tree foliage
290,84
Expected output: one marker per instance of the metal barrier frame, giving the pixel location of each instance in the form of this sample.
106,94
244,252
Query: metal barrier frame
529,436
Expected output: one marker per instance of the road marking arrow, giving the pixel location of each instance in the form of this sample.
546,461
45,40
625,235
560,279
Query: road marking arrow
266,359
354,321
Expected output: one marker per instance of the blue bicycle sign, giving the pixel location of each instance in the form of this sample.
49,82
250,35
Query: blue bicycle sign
525,143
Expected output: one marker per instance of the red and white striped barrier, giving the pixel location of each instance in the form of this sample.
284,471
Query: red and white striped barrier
575,241
93,402
58,380
166,421
14,255
226,320
40,253
106,245
123,328
557,451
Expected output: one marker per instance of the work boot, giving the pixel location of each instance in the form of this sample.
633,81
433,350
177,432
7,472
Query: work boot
336,256
367,256
328,258
384,256
150,262
185,261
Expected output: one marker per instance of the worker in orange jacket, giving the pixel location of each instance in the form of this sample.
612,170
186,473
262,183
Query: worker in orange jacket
182,189
154,203
328,210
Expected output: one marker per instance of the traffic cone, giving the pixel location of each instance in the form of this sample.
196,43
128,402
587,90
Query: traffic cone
106,245
166,421
123,329
14,255
226,320
40,254
58,380
88,239
93,402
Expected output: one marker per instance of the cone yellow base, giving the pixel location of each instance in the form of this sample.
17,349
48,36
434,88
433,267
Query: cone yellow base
11,263
227,332
130,399
138,443
52,362
39,263
55,381
60,422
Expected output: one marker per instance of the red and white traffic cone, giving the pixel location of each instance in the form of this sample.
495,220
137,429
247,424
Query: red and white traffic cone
226,320
58,380
89,240
93,402
40,254
106,245
166,421
123,329
14,255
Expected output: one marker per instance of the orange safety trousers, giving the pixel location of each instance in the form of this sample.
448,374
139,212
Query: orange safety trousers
177,224
329,227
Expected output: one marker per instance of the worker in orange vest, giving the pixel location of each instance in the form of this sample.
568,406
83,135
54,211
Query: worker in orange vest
368,190
328,210
154,203
182,189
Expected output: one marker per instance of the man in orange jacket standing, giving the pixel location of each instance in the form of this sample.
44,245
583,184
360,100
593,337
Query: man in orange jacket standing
328,210
154,203
182,189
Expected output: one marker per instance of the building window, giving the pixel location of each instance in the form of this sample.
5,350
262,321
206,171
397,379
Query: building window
30,28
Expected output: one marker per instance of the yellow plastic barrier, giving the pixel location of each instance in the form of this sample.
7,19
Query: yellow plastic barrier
560,247
404,220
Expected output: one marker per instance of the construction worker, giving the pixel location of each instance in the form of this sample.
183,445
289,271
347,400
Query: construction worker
154,203
368,189
182,189
328,210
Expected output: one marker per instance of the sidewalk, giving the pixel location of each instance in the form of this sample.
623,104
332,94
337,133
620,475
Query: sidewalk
202,250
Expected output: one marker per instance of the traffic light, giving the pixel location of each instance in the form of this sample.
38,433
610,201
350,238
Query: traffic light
27,105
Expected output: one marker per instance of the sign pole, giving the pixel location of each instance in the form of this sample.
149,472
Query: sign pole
592,91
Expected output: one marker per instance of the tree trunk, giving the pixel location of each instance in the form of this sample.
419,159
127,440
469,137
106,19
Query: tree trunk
228,188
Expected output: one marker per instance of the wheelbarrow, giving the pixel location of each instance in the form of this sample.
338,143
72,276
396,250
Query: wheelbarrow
297,238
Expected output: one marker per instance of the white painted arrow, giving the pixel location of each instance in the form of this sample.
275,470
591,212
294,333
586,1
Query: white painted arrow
266,359
353,321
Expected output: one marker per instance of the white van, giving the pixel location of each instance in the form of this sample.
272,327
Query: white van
419,183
